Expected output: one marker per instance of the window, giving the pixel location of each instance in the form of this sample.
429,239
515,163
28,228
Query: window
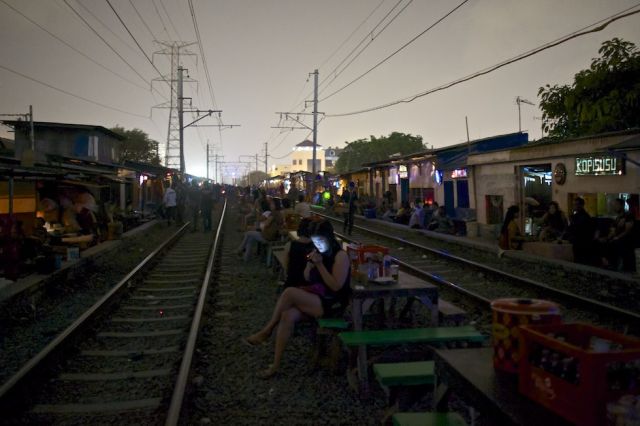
294,162
328,163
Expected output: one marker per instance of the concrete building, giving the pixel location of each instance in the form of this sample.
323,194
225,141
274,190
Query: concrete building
302,157
597,168
331,156
80,141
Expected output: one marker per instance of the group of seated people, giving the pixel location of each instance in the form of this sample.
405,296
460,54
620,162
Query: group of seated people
269,218
612,247
420,216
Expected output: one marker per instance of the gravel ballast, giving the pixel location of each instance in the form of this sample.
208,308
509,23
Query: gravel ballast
228,391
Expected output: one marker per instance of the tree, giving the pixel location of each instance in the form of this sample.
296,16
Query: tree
363,151
605,97
137,146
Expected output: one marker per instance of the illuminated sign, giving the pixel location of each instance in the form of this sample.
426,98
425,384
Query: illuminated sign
402,171
438,177
459,173
599,165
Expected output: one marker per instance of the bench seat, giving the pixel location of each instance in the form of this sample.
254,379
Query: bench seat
405,373
428,419
411,335
450,313
333,323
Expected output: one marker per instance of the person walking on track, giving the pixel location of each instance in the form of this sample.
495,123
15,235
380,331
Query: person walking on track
350,199
170,203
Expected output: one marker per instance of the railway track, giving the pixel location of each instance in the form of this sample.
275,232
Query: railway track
127,359
481,283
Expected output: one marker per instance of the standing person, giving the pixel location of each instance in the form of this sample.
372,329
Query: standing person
206,206
581,232
293,193
194,200
328,270
619,243
170,202
510,236
302,207
350,199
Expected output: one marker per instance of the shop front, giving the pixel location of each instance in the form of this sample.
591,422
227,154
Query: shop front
598,169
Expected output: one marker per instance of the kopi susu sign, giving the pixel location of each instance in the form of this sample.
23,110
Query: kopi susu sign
599,165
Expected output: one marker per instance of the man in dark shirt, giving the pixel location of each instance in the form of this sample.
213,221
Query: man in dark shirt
619,242
206,206
581,232
350,199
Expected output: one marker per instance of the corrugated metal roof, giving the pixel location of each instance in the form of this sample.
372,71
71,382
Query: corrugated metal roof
46,124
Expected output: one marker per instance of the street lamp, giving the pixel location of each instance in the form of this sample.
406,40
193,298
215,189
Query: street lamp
519,101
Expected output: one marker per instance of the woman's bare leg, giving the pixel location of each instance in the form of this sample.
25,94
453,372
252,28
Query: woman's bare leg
291,297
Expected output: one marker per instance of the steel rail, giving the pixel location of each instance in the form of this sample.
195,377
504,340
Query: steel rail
177,398
38,360
591,303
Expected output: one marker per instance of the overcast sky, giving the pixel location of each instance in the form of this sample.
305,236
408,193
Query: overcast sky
260,53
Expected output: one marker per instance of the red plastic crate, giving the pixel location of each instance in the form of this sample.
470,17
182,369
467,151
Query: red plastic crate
560,371
358,255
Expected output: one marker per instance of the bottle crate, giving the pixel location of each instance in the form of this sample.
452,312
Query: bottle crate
360,254
586,374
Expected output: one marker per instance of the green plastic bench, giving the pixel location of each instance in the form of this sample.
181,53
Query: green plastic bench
333,323
412,335
428,419
405,373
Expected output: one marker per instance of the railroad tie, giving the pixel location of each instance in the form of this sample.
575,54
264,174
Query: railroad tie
100,407
102,353
155,307
93,377
137,334
154,319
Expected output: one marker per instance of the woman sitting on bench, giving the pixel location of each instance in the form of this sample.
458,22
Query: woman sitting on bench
328,269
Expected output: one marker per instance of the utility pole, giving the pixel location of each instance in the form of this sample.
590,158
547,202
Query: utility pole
315,123
32,136
207,159
256,162
173,49
266,155
181,118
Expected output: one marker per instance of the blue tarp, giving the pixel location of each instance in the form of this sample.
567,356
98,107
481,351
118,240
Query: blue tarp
456,157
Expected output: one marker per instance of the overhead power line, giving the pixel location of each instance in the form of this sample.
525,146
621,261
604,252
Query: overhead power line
603,24
169,18
369,36
73,48
153,37
164,27
57,89
371,40
375,9
204,59
396,51
136,41
106,26
105,42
